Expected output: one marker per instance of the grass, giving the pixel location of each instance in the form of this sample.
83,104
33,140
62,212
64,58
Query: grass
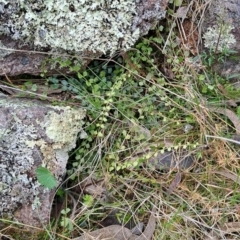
156,97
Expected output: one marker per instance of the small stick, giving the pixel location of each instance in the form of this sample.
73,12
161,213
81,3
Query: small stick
8,79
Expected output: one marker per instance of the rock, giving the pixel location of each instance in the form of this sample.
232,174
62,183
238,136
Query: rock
32,134
225,13
85,30
171,160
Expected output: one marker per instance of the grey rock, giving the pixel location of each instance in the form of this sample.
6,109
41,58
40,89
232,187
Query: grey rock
84,29
226,12
170,160
33,134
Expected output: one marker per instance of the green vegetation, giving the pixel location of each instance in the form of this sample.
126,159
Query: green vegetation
157,97
45,178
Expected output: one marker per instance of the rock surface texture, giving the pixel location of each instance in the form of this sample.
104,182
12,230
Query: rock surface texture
83,28
226,12
33,134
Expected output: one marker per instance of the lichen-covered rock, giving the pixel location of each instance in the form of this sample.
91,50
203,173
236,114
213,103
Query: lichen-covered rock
148,14
33,134
72,25
224,15
83,27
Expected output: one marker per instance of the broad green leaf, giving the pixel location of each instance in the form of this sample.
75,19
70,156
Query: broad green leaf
45,178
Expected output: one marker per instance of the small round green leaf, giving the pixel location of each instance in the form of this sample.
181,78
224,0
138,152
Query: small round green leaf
45,178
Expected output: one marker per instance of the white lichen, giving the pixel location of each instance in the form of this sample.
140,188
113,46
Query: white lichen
28,140
220,36
97,26
64,126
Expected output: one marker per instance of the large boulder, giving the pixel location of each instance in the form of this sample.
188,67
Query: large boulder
33,134
31,31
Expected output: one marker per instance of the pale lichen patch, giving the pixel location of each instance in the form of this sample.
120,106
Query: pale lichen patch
79,26
63,127
220,36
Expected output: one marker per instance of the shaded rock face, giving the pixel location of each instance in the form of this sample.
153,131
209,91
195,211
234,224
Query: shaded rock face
33,134
84,28
226,12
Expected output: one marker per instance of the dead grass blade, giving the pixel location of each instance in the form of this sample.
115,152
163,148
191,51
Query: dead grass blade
176,181
231,227
229,175
230,114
